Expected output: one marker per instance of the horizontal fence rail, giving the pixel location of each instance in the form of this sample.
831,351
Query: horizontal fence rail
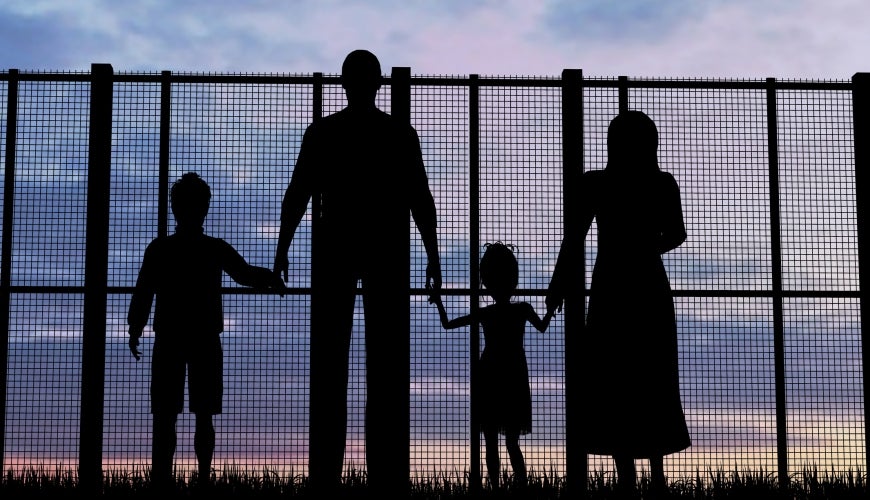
771,311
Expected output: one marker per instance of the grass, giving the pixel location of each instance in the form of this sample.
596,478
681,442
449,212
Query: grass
809,484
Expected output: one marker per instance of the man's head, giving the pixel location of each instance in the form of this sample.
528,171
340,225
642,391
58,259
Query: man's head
361,77
189,198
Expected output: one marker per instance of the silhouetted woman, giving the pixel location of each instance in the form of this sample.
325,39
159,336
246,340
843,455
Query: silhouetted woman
505,399
629,350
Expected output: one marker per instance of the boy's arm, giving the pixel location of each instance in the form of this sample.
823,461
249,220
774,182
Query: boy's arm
247,275
140,302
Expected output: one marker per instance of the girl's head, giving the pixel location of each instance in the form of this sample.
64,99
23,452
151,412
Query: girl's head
499,269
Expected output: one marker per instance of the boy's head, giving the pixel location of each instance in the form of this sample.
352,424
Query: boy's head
189,198
499,269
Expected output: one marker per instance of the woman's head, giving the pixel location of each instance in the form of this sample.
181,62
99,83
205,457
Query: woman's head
632,138
499,269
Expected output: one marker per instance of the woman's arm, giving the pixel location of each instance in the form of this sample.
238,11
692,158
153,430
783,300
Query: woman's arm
673,232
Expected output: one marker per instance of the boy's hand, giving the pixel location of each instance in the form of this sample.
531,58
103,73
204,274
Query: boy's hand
134,342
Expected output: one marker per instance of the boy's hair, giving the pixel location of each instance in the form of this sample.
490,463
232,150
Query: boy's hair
189,198
499,269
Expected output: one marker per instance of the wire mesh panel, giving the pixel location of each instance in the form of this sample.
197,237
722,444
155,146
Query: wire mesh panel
132,225
727,385
43,391
45,332
817,188
242,134
520,204
440,359
824,385
820,257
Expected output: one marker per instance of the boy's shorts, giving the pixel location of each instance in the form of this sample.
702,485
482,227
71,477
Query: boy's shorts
202,359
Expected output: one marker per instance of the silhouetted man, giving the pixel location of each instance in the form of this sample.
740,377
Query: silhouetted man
365,169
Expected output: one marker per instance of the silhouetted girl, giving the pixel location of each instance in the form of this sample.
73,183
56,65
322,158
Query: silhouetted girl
505,402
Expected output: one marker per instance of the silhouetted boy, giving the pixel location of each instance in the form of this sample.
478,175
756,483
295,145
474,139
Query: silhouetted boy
184,272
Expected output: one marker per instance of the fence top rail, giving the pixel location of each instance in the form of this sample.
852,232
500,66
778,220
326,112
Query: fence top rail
455,81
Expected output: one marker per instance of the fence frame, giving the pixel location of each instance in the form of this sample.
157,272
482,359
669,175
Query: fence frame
572,83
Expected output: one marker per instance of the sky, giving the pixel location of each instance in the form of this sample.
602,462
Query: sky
788,39
740,39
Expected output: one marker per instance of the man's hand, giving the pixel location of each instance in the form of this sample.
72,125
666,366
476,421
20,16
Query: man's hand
554,303
282,265
135,333
278,283
433,276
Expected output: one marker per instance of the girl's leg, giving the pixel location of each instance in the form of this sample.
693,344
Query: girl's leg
518,463
490,436
203,445
657,474
626,474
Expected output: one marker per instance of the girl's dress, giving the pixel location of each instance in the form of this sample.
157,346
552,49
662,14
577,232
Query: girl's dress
502,394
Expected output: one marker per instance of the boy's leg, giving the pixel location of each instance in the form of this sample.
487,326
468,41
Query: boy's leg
162,449
203,446
167,401
205,377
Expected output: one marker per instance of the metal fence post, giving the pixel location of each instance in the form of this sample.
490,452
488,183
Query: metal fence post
861,130
400,108
776,285
163,159
6,249
96,279
474,273
576,459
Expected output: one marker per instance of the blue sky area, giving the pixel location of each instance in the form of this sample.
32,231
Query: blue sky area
676,38
715,144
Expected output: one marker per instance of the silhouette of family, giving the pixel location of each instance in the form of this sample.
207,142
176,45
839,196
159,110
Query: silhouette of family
362,172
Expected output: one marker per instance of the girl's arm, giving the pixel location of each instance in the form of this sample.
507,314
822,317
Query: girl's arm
536,321
446,323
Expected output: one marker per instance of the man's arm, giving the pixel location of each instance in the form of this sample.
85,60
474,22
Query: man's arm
294,204
424,213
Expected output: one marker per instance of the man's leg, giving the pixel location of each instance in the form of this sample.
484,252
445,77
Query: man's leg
386,298
332,303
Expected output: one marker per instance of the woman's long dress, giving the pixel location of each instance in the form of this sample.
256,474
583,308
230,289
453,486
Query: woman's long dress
629,350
